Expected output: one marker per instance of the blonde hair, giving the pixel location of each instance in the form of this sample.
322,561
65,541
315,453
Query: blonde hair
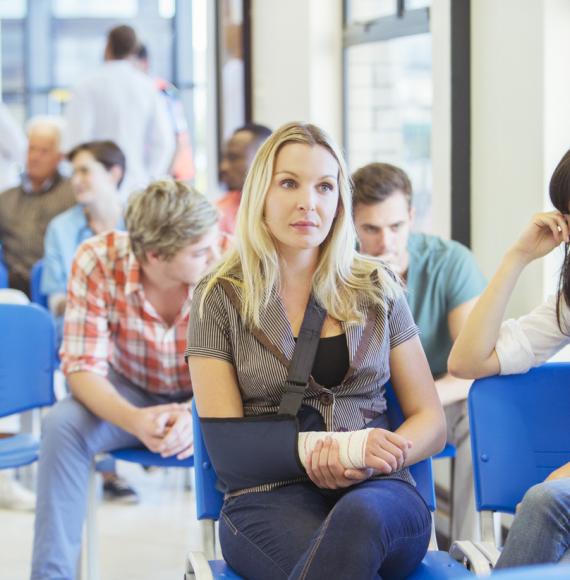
343,276
167,216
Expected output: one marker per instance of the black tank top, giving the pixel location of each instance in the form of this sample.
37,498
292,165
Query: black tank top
332,361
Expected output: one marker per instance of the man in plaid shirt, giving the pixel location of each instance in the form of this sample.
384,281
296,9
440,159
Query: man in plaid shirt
124,337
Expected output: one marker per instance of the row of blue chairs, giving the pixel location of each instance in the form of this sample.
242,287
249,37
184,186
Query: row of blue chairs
38,297
36,294
519,433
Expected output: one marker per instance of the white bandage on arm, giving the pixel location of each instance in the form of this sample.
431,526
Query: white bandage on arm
352,446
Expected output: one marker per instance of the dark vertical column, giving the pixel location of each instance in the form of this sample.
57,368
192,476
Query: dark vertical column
344,80
461,121
247,61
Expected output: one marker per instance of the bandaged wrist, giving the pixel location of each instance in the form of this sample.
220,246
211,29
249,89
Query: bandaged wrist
352,446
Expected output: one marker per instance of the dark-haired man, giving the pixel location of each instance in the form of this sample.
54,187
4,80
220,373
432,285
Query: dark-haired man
119,103
443,283
237,157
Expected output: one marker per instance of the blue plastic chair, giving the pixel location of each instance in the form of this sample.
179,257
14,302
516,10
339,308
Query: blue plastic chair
38,297
203,566
140,455
3,271
519,434
27,342
449,452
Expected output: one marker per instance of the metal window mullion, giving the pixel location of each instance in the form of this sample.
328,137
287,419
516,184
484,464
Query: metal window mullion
183,62
387,28
38,51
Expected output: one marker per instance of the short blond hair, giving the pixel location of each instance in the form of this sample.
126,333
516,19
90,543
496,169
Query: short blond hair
167,216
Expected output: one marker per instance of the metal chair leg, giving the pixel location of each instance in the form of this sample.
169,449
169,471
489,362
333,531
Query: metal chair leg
451,498
89,564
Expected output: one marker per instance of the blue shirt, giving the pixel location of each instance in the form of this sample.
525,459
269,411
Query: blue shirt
441,276
64,235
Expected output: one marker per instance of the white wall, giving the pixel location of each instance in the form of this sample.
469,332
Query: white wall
507,126
556,106
440,25
297,63
520,128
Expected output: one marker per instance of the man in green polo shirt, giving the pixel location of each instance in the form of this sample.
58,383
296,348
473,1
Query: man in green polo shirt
443,283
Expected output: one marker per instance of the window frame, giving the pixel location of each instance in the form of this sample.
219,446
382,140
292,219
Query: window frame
417,21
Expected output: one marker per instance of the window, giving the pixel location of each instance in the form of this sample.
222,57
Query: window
388,84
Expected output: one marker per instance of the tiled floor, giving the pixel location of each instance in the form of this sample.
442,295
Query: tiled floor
145,541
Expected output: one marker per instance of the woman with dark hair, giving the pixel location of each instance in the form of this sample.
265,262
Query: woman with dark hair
98,170
487,346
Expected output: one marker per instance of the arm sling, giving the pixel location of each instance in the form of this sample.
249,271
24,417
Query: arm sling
252,451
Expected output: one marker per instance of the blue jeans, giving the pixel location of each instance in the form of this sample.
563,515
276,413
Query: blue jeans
541,530
376,529
71,437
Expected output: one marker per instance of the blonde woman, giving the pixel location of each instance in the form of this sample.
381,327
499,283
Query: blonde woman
295,240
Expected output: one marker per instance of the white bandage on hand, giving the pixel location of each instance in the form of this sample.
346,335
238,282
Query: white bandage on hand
352,446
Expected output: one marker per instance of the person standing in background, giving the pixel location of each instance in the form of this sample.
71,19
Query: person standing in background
121,104
182,167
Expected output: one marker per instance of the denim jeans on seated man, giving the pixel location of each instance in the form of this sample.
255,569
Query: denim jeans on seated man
71,437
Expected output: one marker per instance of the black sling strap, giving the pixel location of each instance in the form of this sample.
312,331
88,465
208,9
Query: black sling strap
303,359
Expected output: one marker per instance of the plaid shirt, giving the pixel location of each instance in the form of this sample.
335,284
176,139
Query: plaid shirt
108,321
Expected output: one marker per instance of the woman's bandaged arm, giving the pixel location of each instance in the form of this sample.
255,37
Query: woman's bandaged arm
352,446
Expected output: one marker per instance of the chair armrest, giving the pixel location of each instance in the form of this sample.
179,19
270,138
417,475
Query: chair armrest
468,554
490,551
197,567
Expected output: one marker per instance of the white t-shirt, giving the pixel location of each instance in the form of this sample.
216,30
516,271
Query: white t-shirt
120,103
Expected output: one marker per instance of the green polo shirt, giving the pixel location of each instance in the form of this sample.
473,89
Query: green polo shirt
441,276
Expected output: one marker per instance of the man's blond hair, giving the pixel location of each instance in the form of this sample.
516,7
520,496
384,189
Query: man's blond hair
166,217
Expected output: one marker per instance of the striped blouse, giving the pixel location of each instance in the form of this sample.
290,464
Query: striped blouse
261,357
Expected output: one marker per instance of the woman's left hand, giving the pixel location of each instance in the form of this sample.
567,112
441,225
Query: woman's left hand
325,469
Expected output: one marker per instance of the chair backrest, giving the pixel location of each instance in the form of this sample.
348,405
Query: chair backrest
209,500
520,432
38,297
3,271
422,471
27,344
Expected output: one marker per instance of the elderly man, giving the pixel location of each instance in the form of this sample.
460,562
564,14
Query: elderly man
26,210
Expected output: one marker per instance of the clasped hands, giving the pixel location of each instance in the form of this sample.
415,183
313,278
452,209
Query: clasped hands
386,452
165,429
